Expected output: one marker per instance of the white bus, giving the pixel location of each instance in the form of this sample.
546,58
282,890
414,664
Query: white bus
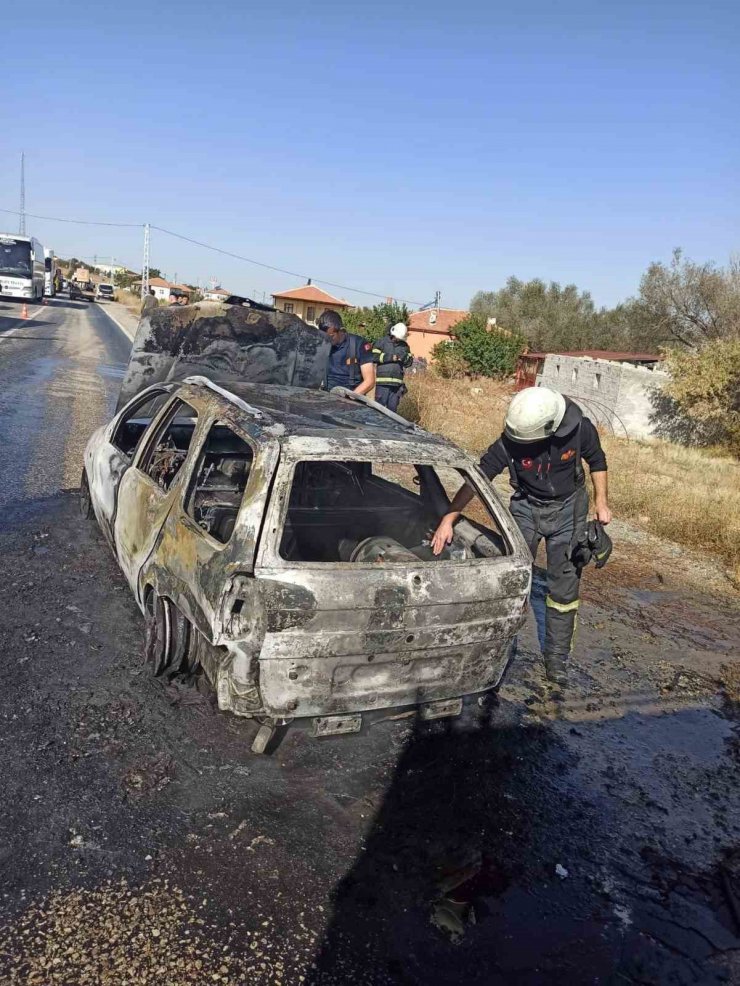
22,267
50,273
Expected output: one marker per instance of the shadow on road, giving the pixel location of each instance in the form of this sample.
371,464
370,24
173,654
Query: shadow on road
464,875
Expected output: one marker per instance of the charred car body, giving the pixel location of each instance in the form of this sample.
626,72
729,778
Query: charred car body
277,536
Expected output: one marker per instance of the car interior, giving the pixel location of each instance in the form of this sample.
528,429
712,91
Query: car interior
378,513
219,481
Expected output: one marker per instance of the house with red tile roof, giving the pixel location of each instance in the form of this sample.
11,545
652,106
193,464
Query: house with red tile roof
430,326
308,302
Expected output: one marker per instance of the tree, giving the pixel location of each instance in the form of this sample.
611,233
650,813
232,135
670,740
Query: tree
548,316
691,304
373,323
706,385
479,349
155,272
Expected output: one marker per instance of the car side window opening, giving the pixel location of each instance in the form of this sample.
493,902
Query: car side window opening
170,447
219,481
381,513
135,422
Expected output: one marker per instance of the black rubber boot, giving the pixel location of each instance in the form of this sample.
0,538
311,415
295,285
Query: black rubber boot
556,671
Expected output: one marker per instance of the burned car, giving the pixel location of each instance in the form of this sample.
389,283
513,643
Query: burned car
277,537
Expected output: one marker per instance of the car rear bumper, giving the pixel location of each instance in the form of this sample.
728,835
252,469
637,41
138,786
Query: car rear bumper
355,673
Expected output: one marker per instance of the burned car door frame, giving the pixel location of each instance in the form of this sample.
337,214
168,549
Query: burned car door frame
187,564
108,461
143,502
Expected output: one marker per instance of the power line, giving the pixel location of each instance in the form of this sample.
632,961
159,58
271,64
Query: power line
79,222
208,246
279,270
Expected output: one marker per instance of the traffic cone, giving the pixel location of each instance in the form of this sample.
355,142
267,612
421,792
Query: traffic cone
24,310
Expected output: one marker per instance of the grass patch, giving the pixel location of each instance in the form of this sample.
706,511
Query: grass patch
689,496
130,300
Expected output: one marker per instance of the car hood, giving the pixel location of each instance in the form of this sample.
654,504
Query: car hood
265,347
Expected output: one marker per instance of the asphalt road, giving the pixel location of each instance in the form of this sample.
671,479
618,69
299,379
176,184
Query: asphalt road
141,842
60,371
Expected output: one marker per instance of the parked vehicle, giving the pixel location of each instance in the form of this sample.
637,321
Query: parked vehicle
22,267
105,292
50,268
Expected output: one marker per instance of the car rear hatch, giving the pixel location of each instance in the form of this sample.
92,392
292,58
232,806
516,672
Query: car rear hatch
358,613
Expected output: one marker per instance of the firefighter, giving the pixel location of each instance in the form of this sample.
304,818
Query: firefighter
393,357
544,440
350,363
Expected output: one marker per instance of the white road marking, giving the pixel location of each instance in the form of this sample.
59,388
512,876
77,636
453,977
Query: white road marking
127,332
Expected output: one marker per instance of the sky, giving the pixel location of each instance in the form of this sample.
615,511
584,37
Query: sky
395,148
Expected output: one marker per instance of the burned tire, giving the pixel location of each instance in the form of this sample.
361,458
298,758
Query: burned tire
158,632
169,643
181,659
85,499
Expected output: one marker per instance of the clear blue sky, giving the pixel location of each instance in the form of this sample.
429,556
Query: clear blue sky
397,147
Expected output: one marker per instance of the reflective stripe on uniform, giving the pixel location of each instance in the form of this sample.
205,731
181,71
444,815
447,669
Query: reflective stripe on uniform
379,352
562,607
388,380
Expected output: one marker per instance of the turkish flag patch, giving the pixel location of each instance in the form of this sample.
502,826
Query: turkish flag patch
527,463
568,455
367,347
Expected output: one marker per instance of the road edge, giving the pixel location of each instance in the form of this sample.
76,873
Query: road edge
129,335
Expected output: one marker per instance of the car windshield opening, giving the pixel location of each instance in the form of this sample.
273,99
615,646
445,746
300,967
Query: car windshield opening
382,513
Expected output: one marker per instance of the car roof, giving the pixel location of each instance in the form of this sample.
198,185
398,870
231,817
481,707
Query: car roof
306,413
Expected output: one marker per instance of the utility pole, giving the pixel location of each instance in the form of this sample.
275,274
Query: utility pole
145,264
22,210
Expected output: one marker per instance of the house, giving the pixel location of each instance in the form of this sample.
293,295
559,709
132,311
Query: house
164,290
430,326
216,294
308,302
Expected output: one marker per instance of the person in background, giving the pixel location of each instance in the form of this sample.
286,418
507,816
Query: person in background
149,303
392,357
350,363
545,436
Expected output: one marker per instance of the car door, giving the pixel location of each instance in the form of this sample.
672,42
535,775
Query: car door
149,488
212,529
108,457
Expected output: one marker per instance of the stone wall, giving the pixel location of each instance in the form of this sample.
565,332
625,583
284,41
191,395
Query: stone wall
616,396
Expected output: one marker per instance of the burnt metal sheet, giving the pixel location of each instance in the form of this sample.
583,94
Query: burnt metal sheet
213,340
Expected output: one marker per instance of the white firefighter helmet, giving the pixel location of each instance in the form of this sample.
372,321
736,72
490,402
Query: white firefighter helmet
534,414
399,331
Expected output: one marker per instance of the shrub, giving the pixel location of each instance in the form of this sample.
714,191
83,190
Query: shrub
478,349
706,386
449,359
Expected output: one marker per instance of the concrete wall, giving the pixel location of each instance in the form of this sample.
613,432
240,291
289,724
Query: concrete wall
616,396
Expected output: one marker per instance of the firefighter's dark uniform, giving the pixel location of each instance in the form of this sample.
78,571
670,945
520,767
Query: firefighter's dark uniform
393,358
345,360
550,501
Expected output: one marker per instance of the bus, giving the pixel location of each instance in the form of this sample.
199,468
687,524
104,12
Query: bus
22,267
50,273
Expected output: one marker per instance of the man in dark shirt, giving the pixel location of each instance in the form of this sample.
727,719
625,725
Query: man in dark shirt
544,440
350,362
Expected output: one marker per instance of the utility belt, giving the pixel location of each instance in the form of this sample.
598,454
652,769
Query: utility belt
520,494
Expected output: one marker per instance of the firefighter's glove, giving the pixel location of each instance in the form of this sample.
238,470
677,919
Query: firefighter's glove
599,542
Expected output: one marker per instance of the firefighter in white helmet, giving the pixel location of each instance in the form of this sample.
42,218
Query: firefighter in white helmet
392,357
544,440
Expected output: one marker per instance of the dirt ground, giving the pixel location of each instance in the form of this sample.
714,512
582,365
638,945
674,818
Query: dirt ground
141,842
